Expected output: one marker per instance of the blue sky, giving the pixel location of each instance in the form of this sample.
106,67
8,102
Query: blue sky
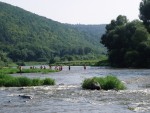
80,11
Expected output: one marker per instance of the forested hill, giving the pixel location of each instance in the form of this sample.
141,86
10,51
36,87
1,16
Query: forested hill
93,33
28,37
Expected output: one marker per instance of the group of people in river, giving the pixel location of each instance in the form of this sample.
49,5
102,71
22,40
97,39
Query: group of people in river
58,68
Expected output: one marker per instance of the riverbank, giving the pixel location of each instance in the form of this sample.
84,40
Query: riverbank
7,70
10,81
102,61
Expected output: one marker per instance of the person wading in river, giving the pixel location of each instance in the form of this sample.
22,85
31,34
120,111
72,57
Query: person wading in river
84,67
20,69
69,68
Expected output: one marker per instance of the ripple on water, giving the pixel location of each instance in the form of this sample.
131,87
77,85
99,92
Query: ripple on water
71,98
65,98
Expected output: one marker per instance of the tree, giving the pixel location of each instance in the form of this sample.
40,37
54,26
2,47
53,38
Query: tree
145,13
120,20
4,60
127,43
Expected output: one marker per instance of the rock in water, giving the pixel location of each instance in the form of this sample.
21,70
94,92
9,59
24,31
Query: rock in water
96,86
25,96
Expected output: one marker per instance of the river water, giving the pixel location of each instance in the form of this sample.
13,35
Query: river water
67,96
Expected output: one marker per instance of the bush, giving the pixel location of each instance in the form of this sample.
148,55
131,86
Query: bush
37,82
49,81
106,83
1,83
24,81
8,70
113,82
4,78
10,81
20,63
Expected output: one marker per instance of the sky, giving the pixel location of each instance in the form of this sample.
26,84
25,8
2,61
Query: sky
80,11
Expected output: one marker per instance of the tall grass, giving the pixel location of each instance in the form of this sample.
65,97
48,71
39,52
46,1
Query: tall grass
15,70
37,71
9,70
48,81
106,83
10,81
78,62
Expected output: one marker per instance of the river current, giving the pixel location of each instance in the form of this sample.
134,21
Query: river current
67,96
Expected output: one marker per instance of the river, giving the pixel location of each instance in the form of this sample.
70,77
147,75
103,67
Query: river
67,96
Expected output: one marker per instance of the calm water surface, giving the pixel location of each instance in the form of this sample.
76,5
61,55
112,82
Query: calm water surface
67,96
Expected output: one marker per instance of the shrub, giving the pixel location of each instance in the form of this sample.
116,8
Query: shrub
4,79
113,82
101,81
24,81
2,82
8,70
49,81
86,84
10,81
37,82
106,83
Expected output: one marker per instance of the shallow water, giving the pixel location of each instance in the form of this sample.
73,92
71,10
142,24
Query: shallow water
68,96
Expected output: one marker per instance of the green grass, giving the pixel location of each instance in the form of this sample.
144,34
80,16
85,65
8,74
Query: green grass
36,71
10,81
78,63
48,81
9,70
15,70
107,83
102,63
34,63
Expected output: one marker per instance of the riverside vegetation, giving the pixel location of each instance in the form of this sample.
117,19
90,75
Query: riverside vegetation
10,81
128,43
106,83
16,70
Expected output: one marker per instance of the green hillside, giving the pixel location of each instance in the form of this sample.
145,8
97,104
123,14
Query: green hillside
25,36
92,33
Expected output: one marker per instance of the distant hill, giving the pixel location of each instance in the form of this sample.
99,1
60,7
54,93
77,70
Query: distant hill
92,33
25,36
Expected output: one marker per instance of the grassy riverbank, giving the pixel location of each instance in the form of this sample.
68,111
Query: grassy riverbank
16,70
10,81
101,61
78,63
106,83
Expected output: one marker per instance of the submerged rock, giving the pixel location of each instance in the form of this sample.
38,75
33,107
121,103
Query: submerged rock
21,88
25,96
61,84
